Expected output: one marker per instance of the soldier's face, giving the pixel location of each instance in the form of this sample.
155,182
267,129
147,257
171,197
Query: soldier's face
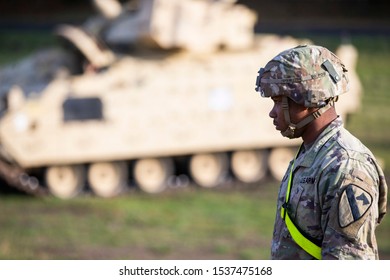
297,113
277,114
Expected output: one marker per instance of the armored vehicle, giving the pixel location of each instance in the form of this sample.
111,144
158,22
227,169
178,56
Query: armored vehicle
157,90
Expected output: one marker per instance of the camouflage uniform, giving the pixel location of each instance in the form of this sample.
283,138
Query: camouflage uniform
337,192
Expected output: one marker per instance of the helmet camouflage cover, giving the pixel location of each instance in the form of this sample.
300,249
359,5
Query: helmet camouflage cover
309,75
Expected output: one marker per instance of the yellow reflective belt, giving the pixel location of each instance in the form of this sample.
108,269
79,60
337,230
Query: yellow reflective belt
298,237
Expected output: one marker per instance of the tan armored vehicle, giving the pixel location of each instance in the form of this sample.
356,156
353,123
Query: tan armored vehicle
180,100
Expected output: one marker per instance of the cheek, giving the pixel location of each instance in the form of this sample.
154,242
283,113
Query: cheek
297,114
276,112
272,113
278,115
281,119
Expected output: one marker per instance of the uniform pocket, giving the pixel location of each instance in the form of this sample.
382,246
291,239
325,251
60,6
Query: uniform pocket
295,197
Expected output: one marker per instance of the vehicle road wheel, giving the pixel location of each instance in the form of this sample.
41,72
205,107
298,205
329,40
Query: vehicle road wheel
209,170
107,179
152,174
65,181
278,161
249,166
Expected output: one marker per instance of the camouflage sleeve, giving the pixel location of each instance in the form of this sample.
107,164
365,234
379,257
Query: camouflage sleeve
350,211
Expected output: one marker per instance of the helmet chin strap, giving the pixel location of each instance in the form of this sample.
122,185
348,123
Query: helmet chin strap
291,128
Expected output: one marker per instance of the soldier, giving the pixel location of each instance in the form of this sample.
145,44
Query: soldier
334,194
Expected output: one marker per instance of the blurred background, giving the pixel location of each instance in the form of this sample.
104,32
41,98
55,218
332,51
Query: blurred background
231,220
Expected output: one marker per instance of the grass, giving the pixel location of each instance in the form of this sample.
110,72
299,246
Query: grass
372,123
16,45
185,224
229,223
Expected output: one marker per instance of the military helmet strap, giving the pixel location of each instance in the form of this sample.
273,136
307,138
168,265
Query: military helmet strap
290,131
291,127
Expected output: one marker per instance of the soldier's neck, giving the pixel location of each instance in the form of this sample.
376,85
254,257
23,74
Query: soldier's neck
314,129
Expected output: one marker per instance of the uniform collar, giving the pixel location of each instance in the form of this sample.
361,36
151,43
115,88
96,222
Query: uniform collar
309,156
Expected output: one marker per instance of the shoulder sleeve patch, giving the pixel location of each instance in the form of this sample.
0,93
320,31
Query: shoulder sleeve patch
353,204
350,210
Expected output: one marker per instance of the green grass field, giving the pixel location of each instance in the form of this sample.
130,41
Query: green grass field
228,223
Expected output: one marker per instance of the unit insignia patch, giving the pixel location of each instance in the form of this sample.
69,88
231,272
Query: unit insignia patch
354,203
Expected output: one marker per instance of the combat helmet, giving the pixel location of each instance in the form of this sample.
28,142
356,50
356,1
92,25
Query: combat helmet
309,75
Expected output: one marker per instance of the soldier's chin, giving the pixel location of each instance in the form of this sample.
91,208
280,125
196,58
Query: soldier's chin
277,127
289,134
